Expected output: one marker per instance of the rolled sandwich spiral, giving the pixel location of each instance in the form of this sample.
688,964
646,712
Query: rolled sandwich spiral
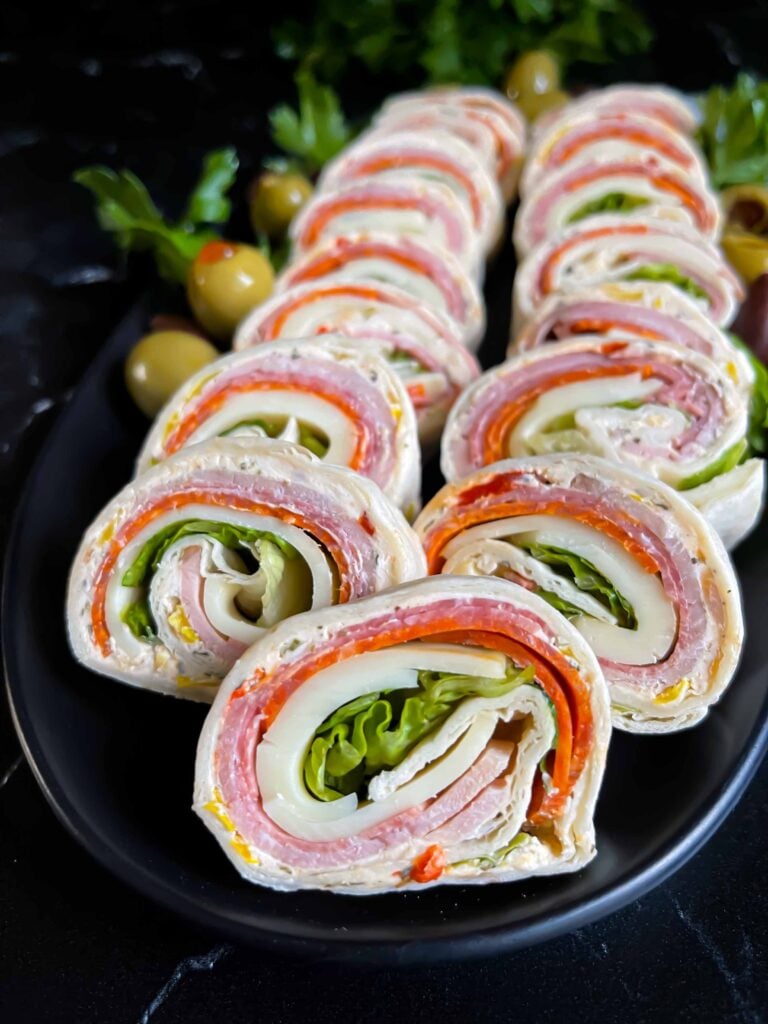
338,398
197,557
443,732
633,565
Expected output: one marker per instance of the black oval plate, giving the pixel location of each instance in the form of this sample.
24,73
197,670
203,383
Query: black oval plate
117,764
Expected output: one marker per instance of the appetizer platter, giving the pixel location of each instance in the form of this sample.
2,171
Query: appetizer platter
425,585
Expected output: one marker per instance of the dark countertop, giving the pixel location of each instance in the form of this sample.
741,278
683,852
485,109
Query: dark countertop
76,945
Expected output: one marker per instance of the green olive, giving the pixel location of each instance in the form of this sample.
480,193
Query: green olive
746,208
225,282
747,254
160,363
533,74
533,105
275,200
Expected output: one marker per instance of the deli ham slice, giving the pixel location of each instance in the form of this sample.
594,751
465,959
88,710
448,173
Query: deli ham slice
606,249
407,206
428,272
656,189
666,106
471,113
655,311
583,138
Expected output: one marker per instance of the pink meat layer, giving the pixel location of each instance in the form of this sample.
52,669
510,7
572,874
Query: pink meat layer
354,393
651,530
227,649
382,155
369,295
373,195
537,211
506,144
646,254
403,251
679,388
360,548
469,822
242,728
601,317
613,129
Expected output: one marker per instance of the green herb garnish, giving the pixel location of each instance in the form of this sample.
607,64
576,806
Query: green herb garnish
315,132
125,208
734,132
412,41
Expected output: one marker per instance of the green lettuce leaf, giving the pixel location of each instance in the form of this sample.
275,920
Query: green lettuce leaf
730,458
270,429
287,582
138,619
757,431
587,578
376,731
667,272
316,131
492,860
570,611
313,441
317,444
137,615
125,209
734,132
612,202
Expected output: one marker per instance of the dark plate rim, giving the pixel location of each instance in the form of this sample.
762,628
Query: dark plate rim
684,843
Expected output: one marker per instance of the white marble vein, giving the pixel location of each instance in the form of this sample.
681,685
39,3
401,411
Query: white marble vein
736,990
6,777
204,962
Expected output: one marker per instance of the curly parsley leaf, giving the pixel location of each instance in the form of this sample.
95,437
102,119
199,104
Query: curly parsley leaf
125,208
315,132
734,132
409,41
208,202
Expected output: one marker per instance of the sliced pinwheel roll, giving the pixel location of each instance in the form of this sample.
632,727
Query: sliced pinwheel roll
583,138
424,156
656,189
445,732
660,104
428,272
199,556
607,248
337,398
471,113
667,411
426,210
632,564
656,311
423,346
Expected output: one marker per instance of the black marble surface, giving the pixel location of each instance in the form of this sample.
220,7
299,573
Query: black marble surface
152,86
